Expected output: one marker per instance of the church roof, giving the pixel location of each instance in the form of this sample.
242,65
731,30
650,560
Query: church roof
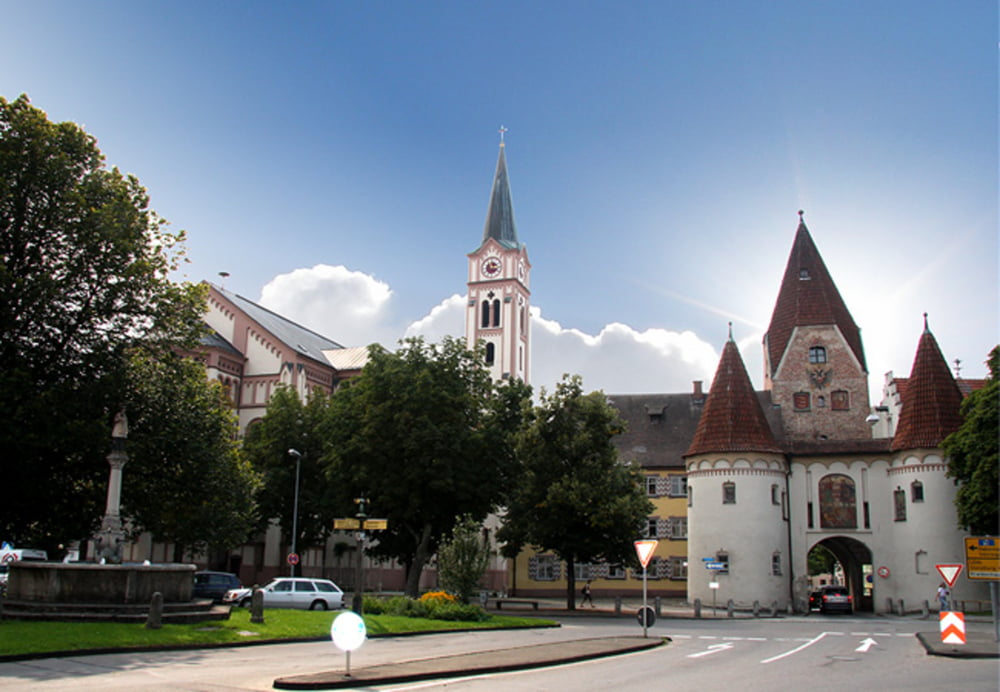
500,215
732,420
808,297
931,400
299,338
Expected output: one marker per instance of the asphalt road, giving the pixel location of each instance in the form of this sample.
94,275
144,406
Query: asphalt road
814,653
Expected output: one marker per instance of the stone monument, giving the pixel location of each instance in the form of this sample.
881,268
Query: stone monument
111,536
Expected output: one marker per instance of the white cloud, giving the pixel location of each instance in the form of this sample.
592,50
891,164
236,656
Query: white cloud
354,309
349,307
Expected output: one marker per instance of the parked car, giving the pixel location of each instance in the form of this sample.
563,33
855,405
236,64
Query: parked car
214,585
835,599
292,592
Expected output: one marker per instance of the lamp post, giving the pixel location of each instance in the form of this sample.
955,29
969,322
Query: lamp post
295,505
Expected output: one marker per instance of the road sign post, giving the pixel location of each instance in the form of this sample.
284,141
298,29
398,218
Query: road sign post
644,550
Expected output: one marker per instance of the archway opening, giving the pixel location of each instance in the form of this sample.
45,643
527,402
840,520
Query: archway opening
845,561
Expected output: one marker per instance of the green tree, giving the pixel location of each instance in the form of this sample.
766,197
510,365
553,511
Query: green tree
463,558
972,456
290,423
574,497
84,275
421,434
186,481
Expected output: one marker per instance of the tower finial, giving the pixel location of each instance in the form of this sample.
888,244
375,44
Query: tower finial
730,331
926,328
801,216
502,131
958,368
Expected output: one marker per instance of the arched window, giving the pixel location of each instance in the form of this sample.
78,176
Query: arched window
522,319
485,322
837,502
916,491
729,493
817,354
496,312
490,353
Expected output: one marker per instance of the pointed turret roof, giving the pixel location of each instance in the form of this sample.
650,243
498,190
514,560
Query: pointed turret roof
732,420
500,215
808,297
931,401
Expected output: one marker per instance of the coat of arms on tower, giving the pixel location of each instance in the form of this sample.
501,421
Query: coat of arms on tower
820,377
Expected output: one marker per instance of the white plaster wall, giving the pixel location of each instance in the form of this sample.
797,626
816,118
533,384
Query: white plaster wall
750,531
262,358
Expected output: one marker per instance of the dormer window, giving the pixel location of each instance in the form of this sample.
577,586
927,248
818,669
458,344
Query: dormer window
804,274
817,354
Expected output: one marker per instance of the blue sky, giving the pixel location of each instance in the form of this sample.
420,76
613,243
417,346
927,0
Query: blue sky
336,158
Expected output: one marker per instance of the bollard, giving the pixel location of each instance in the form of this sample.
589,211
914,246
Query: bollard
888,606
730,608
618,605
484,599
697,607
774,609
925,610
658,605
257,606
154,620
756,609
902,608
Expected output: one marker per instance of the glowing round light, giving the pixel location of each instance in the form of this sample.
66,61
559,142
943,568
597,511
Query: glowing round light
348,631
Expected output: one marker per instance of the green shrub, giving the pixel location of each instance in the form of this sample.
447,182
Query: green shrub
432,609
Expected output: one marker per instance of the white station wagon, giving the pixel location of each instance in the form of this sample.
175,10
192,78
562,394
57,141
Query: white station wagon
292,592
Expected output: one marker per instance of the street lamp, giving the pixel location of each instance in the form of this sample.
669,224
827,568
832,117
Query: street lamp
295,507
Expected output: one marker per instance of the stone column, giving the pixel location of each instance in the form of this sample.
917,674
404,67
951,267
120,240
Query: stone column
111,536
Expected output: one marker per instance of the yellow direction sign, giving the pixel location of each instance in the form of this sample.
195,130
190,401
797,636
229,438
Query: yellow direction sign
355,524
982,558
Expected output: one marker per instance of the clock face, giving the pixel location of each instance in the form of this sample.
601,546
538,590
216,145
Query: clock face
491,267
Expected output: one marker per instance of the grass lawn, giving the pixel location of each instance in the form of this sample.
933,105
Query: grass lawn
19,638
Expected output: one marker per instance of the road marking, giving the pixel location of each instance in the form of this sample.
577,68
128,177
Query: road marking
866,644
712,649
799,648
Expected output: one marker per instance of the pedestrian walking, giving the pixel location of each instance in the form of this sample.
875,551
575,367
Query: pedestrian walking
943,594
586,595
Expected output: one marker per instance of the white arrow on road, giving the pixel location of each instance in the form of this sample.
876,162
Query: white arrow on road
713,649
866,644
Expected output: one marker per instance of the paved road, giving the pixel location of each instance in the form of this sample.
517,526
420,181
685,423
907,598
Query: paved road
808,653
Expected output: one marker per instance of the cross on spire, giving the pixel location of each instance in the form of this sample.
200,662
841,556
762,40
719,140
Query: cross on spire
502,130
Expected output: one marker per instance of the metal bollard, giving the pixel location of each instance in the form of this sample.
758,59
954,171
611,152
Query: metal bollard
888,606
154,620
618,605
730,608
697,607
902,608
658,605
756,609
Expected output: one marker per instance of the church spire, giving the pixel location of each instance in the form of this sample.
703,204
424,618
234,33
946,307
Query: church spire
808,297
500,215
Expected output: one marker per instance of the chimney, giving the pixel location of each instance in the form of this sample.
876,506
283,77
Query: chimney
697,396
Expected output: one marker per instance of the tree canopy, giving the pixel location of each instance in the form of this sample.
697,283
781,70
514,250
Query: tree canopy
423,434
574,497
84,275
972,456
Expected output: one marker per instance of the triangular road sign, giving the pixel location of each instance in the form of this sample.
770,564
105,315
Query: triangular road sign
645,549
949,573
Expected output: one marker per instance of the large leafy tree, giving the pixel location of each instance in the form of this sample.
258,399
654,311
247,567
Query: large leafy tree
291,423
84,276
575,498
424,436
186,481
972,455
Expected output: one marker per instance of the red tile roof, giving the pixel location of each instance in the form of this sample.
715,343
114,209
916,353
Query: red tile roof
808,297
931,400
732,419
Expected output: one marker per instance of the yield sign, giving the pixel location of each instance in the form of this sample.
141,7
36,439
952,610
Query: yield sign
952,627
644,549
949,573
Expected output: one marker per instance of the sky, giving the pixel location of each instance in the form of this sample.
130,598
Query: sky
335,160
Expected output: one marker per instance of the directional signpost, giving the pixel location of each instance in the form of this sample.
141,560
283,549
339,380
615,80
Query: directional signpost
982,563
644,550
360,523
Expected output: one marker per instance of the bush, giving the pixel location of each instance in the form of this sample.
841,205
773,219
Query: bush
435,605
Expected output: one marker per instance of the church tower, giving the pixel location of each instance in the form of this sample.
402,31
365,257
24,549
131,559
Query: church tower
499,286
814,362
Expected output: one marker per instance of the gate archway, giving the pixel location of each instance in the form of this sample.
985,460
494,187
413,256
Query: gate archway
856,560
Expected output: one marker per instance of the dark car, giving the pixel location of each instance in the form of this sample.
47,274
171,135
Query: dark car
214,585
835,599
